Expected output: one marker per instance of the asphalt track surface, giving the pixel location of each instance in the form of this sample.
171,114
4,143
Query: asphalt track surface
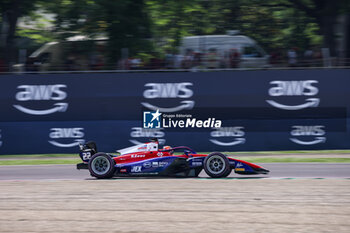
294,197
277,170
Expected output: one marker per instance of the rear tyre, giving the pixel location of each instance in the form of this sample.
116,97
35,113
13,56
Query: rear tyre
216,165
101,166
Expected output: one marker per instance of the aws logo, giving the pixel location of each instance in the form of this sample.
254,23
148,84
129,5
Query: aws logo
138,132
235,134
169,90
42,93
294,88
63,137
302,133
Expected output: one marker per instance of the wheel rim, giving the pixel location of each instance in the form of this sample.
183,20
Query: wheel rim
216,164
100,165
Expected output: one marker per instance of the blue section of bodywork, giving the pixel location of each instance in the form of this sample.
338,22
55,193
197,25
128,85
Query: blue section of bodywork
239,166
155,165
196,162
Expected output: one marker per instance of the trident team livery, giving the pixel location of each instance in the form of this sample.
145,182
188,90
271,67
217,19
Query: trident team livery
147,160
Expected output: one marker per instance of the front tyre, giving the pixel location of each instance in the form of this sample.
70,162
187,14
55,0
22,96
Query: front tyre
216,165
101,166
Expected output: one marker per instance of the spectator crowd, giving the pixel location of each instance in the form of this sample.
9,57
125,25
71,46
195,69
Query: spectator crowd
193,60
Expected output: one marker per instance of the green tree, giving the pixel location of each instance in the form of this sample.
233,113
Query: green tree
323,12
10,11
276,24
125,23
270,24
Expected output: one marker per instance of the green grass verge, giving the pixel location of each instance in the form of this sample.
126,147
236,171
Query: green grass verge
38,156
248,159
39,161
295,160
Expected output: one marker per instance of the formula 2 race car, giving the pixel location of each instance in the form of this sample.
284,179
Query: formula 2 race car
147,160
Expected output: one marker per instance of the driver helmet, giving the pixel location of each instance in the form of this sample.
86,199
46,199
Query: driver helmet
168,148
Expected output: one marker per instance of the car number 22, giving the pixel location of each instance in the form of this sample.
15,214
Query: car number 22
86,155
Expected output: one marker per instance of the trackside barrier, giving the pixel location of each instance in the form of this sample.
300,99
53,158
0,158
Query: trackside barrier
260,110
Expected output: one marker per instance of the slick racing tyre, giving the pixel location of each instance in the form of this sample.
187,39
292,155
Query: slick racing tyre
216,165
101,166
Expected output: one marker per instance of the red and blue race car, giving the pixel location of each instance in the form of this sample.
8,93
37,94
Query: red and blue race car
147,160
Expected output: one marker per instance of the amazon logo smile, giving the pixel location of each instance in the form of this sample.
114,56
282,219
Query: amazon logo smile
169,90
42,93
73,144
294,88
236,135
308,134
58,107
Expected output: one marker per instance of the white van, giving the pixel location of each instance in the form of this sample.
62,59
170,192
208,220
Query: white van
62,55
250,54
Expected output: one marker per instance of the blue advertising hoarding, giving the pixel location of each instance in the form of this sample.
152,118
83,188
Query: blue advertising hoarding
260,110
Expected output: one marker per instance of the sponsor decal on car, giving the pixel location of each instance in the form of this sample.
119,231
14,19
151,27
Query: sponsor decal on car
302,134
294,88
235,134
136,169
240,169
154,164
169,90
196,163
123,170
162,164
137,156
142,148
147,164
60,136
42,93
